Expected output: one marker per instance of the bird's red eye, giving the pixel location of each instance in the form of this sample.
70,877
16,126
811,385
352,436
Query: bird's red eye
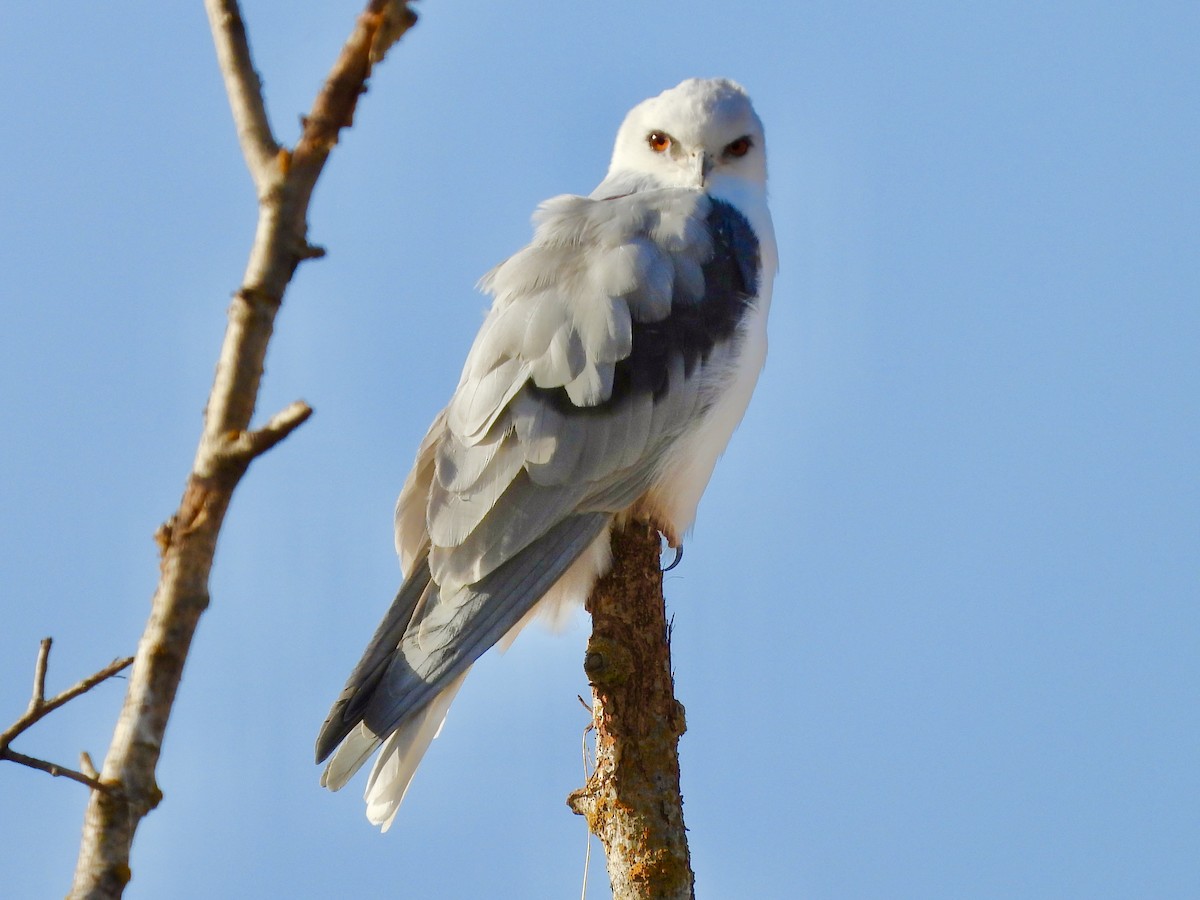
739,148
658,141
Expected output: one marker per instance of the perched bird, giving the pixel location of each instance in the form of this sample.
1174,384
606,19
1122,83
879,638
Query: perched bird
619,355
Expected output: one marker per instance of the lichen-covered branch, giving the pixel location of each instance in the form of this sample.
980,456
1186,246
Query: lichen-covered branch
284,183
632,801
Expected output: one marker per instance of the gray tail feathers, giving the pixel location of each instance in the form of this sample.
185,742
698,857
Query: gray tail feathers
426,640
347,709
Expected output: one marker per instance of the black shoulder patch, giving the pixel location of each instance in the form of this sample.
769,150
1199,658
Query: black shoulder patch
693,328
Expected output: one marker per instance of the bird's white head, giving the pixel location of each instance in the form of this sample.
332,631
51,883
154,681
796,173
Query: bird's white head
702,134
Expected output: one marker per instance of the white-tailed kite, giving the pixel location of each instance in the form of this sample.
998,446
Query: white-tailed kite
619,355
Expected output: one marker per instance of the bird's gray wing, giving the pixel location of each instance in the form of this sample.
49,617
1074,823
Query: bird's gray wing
606,339
599,350
447,637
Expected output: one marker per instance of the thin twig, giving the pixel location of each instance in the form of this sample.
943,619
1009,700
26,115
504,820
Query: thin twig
381,24
39,673
54,769
40,707
244,88
87,767
249,444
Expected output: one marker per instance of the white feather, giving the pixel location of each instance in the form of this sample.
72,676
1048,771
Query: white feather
401,754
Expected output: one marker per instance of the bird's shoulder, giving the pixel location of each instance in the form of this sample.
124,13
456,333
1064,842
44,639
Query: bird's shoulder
598,271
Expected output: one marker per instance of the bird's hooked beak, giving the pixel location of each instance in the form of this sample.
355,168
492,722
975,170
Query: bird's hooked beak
702,164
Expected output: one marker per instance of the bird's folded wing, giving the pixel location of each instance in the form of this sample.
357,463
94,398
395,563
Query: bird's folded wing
604,343
607,338
449,633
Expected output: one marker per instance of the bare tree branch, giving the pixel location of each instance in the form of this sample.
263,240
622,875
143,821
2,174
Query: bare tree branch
244,88
249,444
39,707
632,800
39,673
284,182
54,769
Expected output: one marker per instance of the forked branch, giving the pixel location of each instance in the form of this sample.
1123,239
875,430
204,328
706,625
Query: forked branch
284,183
39,707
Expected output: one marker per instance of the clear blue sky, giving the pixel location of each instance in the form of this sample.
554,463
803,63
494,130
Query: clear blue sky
937,628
